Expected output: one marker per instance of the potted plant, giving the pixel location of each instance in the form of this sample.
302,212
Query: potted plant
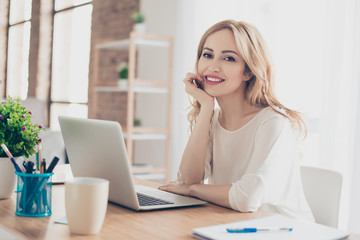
20,136
137,122
123,70
139,19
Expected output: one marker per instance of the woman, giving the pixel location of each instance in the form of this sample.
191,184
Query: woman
246,148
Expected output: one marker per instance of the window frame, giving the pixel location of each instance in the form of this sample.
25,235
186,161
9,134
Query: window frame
50,102
7,45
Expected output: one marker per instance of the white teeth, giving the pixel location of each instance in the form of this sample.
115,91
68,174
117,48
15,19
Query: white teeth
214,79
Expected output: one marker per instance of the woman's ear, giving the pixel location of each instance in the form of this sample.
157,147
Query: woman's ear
247,75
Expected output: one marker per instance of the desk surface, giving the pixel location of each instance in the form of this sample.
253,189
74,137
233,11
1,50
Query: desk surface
122,223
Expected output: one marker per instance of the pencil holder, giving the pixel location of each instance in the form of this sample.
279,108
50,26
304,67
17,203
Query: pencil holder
33,194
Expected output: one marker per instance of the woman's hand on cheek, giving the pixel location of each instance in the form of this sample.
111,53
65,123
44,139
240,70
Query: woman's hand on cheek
192,83
175,187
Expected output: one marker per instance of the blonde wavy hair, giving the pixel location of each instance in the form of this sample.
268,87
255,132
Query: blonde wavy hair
259,88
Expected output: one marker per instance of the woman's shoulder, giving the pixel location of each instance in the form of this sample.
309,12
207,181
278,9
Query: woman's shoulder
268,113
266,117
273,119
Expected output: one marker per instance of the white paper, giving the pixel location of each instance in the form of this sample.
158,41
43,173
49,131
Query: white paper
7,235
301,230
62,220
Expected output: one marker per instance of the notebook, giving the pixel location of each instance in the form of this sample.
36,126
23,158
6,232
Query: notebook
96,148
6,234
300,230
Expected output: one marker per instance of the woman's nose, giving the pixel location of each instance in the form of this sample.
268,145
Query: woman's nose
214,66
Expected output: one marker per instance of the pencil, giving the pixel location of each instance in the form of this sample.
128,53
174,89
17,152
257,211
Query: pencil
43,166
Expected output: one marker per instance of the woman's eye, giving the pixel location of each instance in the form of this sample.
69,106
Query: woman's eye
230,59
207,55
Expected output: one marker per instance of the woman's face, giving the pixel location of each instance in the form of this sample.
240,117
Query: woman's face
220,64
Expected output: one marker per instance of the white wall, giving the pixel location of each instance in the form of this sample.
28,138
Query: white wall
316,55
283,27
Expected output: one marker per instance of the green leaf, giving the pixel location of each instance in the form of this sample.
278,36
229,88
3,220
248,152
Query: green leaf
18,141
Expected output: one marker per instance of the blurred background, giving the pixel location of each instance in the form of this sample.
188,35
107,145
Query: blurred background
47,54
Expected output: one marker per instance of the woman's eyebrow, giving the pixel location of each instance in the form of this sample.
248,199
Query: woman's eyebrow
223,51
230,51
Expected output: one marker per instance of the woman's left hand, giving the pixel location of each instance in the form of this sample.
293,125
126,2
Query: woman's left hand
176,187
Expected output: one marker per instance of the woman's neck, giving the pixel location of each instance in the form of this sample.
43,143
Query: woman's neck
235,112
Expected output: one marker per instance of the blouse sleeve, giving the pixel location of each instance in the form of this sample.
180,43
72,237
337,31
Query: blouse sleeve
269,169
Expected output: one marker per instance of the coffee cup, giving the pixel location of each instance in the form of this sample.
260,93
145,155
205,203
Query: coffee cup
86,201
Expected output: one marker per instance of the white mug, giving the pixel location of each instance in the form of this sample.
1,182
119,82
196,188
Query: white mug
86,201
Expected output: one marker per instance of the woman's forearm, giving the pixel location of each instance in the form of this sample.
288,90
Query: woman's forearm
192,165
217,194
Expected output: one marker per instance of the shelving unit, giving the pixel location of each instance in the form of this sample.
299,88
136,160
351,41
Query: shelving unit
136,85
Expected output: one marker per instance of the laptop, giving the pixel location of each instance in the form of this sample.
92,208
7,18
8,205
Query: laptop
96,148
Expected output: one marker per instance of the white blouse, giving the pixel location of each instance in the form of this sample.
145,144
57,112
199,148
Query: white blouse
260,159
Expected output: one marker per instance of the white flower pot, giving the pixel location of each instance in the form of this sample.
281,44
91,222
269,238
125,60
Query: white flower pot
123,84
7,178
139,27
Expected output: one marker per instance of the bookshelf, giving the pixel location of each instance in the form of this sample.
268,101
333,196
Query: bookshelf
136,86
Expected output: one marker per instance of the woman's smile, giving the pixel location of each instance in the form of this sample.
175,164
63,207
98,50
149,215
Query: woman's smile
213,80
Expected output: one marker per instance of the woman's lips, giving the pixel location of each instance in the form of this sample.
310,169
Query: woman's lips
211,80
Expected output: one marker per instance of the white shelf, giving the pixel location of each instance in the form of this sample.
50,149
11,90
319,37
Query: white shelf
138,89
121,44
138,42
124,44
147,136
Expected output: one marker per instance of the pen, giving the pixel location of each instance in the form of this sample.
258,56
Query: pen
8,153
21,163
40,185
37,189
30,167
25,165
52,165
253,230
28,184
43,166
39,156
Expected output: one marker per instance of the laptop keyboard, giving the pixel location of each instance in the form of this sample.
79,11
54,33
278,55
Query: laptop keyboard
145,200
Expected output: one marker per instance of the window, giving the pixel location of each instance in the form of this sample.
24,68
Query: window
70,59
18,48
70,54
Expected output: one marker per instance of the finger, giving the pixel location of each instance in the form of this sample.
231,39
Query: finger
193,82
165,188
167,185
171,183
190,77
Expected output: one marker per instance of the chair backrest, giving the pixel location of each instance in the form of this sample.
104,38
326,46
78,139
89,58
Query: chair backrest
322,190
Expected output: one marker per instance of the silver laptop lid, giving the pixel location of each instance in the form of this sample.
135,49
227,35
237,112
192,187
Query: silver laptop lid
96,148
